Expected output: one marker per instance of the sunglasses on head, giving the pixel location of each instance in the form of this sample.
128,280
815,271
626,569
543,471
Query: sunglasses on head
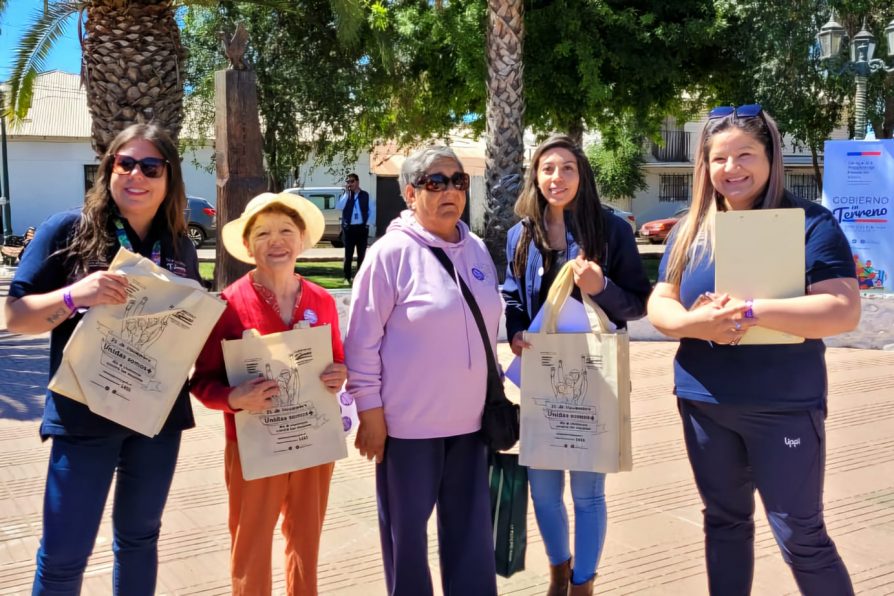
438,182
751,110
151,167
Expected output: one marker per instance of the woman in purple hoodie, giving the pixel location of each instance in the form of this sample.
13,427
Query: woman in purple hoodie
417,369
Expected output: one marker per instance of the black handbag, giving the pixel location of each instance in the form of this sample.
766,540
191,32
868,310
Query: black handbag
500,421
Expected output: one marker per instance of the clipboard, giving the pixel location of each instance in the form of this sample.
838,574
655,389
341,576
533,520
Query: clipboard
760,254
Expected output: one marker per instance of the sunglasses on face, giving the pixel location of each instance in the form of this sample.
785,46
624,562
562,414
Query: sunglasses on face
751,110
151,167
438,182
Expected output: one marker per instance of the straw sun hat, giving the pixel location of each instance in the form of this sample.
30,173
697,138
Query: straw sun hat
312,216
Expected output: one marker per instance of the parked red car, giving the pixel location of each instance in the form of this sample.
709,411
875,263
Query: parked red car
656,231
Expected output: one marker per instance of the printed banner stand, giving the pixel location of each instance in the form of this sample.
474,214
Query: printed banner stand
858,188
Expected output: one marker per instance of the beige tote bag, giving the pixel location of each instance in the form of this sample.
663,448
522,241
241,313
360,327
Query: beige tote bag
575,392
304,427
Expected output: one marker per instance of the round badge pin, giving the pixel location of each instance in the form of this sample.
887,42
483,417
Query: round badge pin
310,316
478,273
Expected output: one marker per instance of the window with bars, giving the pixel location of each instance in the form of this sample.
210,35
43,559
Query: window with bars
674,147
90,172
674,187
803,186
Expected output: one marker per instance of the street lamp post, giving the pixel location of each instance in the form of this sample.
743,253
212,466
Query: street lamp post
832,37
4,190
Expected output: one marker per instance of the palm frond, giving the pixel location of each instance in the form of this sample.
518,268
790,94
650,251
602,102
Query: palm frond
47,27
349,15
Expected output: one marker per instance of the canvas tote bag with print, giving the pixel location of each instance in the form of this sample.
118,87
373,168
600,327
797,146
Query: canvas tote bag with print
575,391
128,362
304,427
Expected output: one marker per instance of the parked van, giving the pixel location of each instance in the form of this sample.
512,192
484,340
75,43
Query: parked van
325,198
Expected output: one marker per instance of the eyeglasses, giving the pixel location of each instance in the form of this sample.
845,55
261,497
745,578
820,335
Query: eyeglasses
151,167
438,182
751,110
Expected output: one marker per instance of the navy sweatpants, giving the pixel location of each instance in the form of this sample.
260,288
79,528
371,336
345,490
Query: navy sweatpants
735,450
415,476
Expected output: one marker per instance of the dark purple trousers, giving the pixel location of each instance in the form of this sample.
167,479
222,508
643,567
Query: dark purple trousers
417,475
782,454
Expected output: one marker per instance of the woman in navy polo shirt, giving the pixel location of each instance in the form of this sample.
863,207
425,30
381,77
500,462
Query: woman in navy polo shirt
741,406
137,202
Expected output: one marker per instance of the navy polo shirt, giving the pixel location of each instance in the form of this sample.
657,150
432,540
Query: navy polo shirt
42,270
789,376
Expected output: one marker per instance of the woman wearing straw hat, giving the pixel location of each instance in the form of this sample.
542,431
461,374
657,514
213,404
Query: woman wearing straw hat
272,231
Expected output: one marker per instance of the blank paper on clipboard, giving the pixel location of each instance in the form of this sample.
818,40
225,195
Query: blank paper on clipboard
760,254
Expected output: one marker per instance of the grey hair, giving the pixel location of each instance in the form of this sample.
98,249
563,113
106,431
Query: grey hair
417,163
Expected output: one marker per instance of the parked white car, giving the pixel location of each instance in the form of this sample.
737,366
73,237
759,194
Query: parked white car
325,198
625,215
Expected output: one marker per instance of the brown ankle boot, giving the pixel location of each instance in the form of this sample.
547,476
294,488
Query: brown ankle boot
559,578
584,589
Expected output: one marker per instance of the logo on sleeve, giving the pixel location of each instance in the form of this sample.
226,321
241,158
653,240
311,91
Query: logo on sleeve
310,316
478,273
176,267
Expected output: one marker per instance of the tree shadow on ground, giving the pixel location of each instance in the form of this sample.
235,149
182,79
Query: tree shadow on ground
24,365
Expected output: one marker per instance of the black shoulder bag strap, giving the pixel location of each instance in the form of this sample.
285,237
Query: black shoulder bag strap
492,373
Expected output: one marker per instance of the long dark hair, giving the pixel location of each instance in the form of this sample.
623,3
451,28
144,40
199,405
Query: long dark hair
92,239
586,211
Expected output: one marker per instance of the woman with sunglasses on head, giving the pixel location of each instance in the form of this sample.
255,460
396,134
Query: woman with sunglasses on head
138,203
562,221
740,403
417,368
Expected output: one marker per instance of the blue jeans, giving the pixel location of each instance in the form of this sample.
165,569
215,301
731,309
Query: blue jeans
590,518
78,481
735,450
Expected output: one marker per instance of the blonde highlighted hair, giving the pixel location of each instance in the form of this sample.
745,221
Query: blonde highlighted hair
694,235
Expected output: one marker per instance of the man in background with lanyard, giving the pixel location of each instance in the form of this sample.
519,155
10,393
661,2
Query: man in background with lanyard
356,213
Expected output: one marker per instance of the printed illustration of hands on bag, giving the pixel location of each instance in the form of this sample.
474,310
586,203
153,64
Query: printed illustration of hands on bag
142,331
289,382
570,386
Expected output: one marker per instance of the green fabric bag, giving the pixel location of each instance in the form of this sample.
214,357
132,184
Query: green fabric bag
509,511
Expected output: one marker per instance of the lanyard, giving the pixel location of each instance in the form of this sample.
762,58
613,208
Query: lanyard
124,241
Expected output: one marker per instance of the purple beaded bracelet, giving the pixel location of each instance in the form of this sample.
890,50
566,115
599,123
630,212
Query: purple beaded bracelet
749,314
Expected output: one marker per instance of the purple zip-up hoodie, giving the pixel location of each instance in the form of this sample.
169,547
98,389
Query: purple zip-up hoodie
412,344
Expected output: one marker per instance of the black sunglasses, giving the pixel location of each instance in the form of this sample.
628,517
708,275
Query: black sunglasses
751,110
151,167
438,182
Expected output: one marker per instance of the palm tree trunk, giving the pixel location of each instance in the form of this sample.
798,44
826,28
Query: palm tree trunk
132,57
505,123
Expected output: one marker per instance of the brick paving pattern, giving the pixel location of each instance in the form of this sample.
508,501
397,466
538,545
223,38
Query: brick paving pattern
654,543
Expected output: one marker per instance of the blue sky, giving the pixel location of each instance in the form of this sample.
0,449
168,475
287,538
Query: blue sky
14,21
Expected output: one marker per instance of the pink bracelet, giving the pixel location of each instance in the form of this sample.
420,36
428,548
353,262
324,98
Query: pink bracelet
66,298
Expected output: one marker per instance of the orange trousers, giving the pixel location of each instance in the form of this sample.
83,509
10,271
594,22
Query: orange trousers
255,506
